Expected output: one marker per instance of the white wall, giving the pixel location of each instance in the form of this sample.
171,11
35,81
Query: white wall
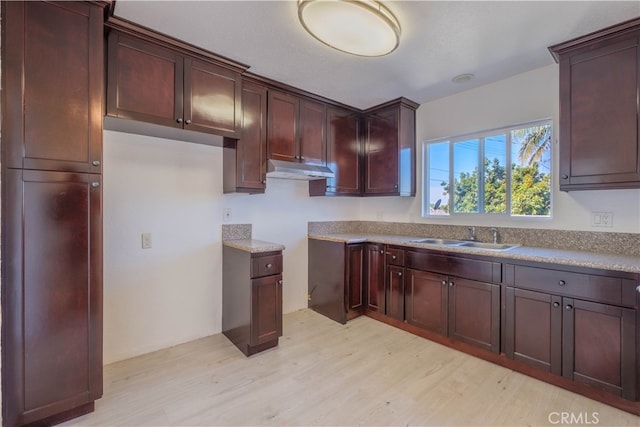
171,293
522,98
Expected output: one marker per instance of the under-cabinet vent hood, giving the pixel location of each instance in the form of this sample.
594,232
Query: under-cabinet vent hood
300,171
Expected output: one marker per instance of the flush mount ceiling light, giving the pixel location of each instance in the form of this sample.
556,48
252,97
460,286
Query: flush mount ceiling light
358,27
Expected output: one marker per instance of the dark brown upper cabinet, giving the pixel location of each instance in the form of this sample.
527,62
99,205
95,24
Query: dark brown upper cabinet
344,152
389,149
296,129
245,159
53,84
599,113
153,83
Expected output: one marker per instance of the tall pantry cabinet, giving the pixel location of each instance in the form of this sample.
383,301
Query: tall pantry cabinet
52,109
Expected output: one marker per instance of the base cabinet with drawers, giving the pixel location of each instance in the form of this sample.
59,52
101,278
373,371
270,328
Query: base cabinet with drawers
581,326
575,327
442,298
252,299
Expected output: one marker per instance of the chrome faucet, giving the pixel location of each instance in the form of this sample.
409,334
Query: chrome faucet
472,233
494,231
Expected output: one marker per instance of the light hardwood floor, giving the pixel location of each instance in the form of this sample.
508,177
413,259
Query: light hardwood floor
324,373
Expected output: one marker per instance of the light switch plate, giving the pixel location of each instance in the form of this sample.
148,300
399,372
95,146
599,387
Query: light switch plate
146,240
602,219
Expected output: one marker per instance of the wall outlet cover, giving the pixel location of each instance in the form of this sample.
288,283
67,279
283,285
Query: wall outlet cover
146,240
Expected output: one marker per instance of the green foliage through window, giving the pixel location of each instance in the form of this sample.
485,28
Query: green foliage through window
507,171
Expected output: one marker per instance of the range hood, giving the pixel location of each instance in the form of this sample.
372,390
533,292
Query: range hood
299,171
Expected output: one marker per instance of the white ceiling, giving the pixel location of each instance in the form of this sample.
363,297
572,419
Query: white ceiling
440,39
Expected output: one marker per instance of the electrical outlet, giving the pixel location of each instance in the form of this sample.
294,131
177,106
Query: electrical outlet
602,219
146,240
226,214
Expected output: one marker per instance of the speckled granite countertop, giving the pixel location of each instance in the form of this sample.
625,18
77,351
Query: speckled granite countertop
253,246
567,257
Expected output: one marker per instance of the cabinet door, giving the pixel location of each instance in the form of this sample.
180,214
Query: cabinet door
395,292
355,281
52,294
599,346
145,82
326,279
53,83
282,126
251,148
381,153
375,277
474,313
427,300
211,98
313,133
343,151
599,116
534,329
266,309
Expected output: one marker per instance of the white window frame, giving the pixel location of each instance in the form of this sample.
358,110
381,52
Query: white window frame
480,136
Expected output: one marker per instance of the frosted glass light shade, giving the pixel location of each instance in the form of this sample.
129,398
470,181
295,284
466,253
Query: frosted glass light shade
358,27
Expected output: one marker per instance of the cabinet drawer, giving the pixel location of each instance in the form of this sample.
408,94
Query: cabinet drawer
482,271
394,256
612,290
266,265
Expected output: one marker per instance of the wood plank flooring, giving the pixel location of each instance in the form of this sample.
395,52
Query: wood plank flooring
324,373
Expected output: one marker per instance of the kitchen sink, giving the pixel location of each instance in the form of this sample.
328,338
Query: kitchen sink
490,246
434,241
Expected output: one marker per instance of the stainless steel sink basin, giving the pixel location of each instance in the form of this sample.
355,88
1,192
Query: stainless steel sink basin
490,246
434,241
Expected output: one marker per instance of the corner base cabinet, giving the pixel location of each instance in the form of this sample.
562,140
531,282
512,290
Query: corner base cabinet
252,299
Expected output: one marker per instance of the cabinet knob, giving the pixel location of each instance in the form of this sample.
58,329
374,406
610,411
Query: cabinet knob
179,120
395,186
96,163
95,184
296,157
568,307
280,283
556,304
393,257
451,284
188,121
269,265
638,289
381,252
565,176
444,283
562,283
264,181
301,157
399,273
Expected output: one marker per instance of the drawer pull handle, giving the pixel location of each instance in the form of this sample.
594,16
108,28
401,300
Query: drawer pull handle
96,163
556,304
562,283
95,184
269,265
568,307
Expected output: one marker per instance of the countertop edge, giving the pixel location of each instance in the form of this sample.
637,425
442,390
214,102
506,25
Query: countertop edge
253,246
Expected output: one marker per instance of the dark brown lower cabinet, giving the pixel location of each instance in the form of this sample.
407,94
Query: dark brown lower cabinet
462,309
51,296
395,292
252,299
584,341
375,277
336,286
355,280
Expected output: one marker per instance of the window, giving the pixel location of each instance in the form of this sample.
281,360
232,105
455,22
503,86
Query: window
505,171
